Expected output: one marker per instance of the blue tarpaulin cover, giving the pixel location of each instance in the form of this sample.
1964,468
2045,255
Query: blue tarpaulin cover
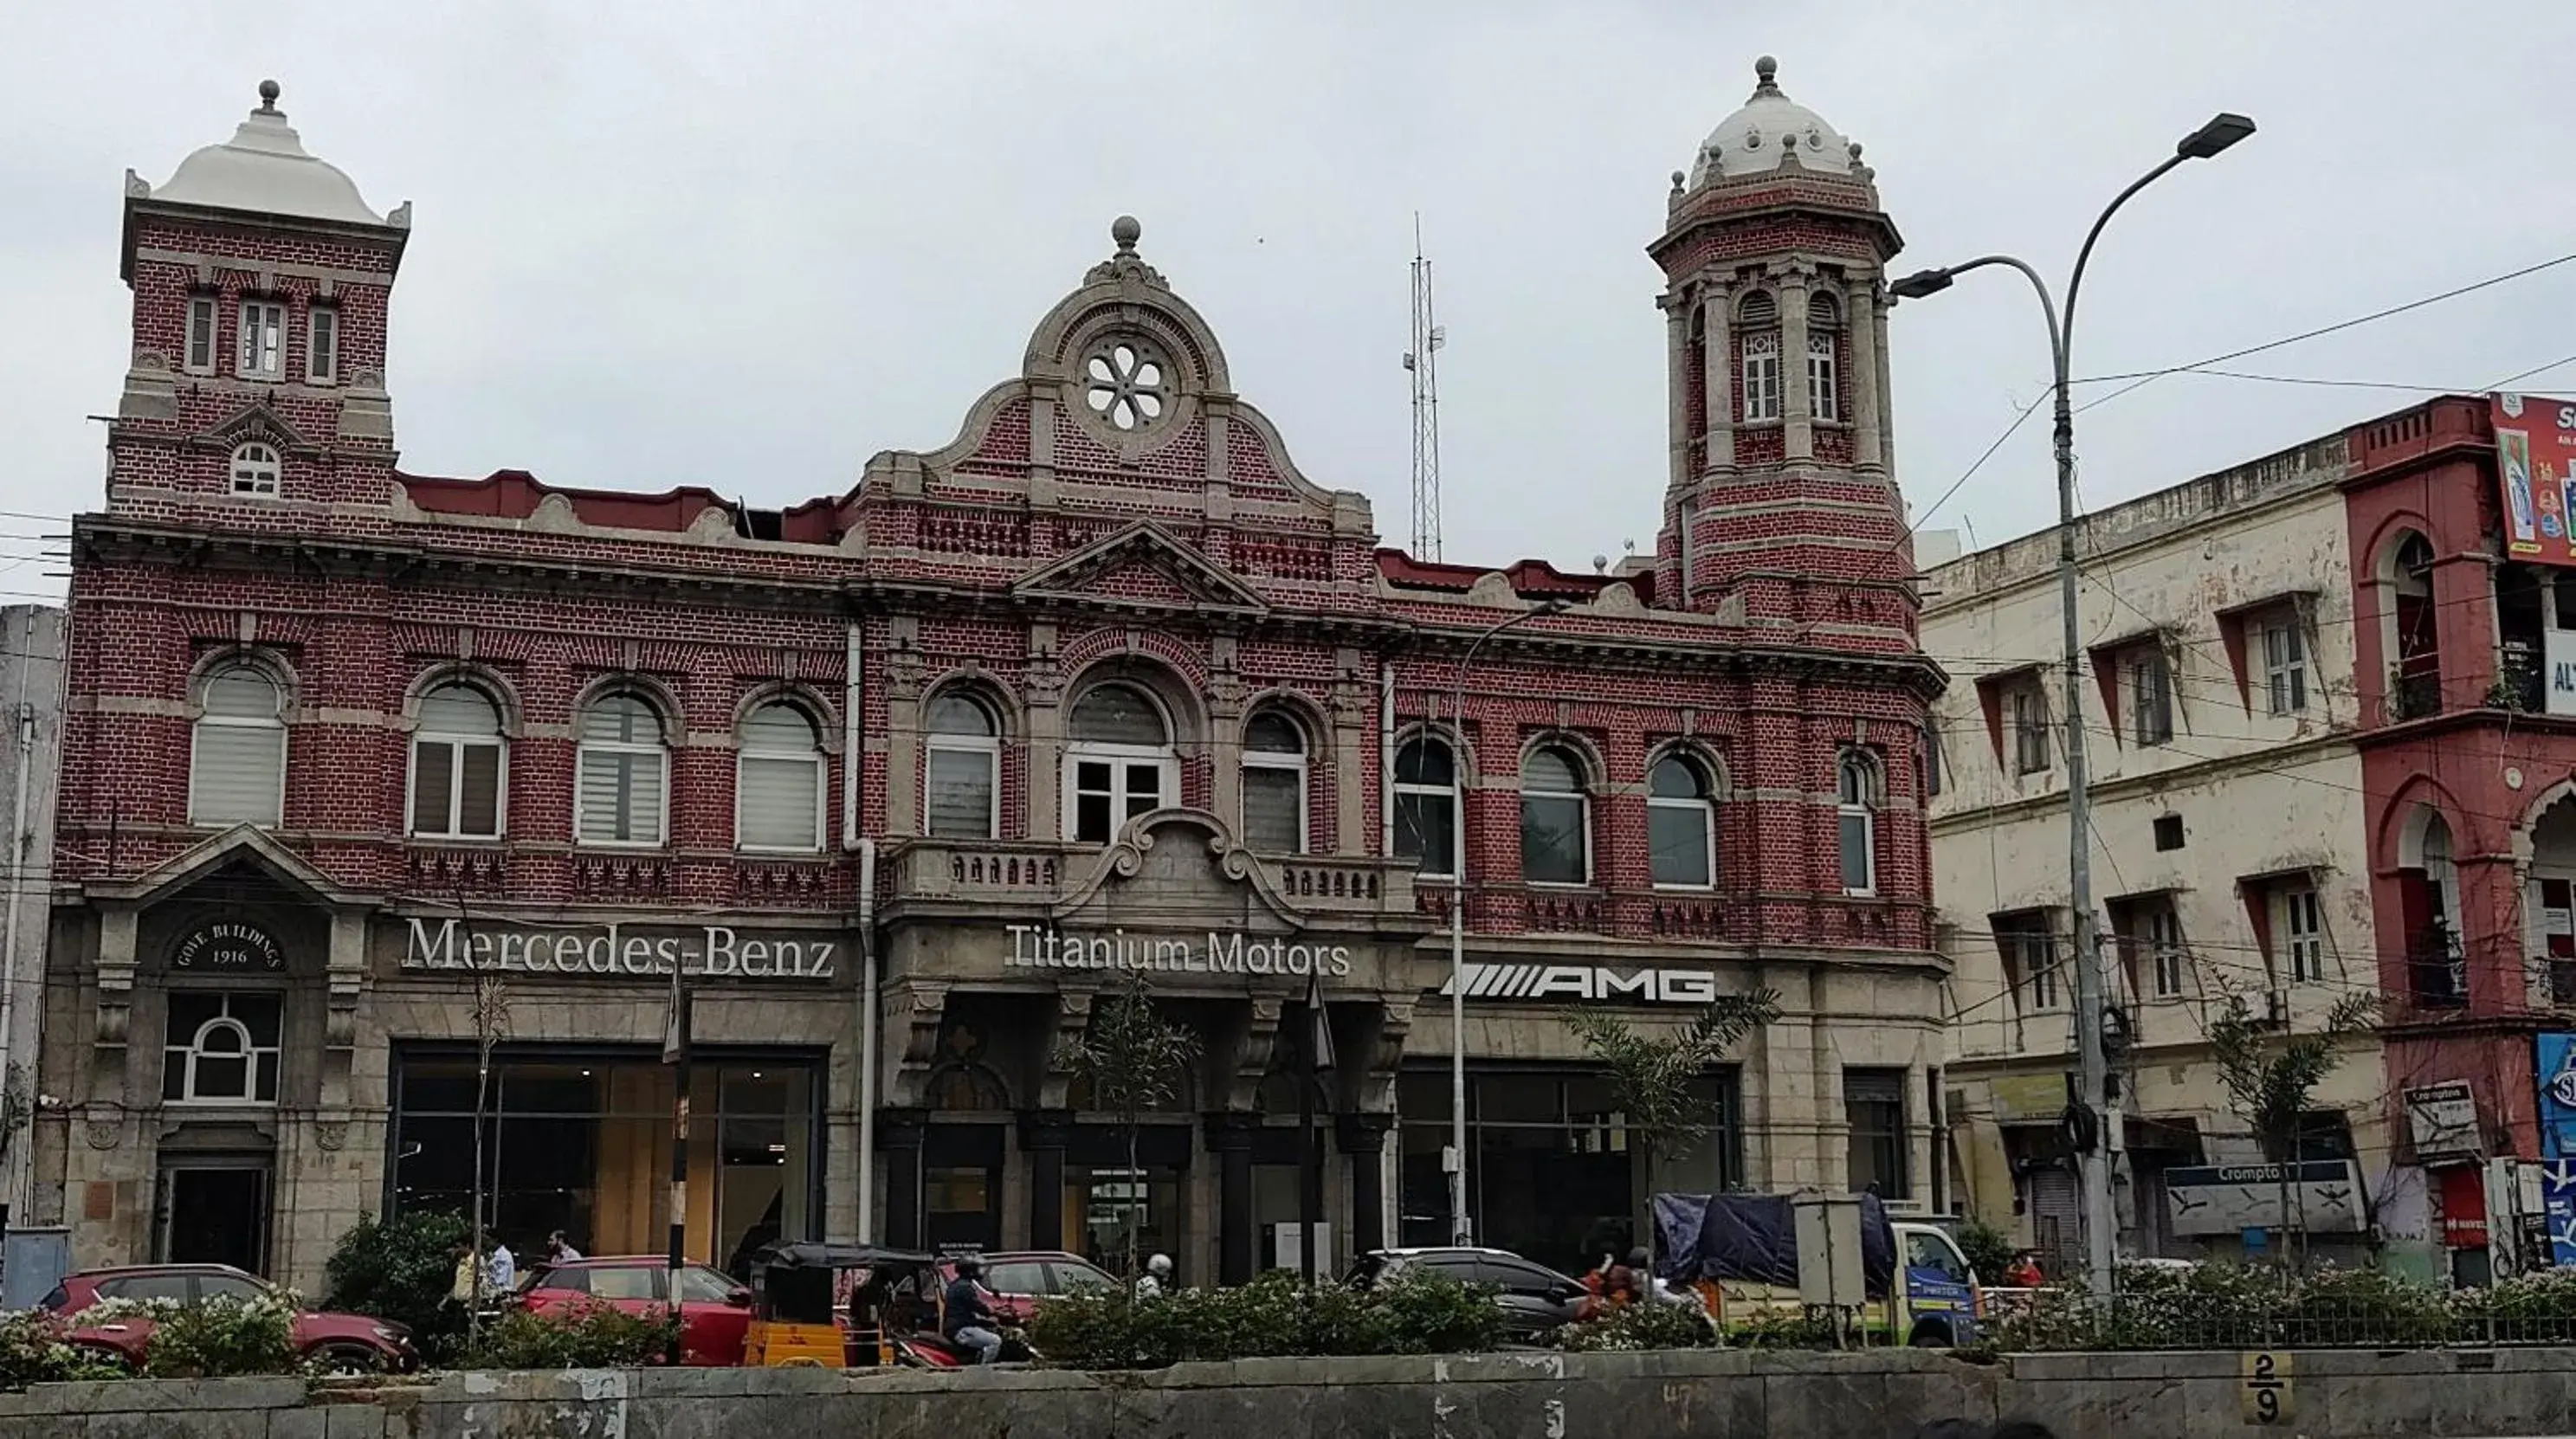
1753,1239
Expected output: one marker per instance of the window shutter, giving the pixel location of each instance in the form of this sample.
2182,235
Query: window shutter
777,801
1271,801
961,794
621,797
433,769
481,805
236,774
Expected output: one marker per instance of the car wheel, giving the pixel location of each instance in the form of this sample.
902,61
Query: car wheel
348,1360
1929,1335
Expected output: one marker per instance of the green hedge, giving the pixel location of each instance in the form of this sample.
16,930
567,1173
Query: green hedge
1418,1314
2233,1306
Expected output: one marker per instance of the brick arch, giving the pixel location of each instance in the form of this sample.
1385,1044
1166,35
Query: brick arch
2398,841
982,685
1165,669
1591,767
267,661
481,678
802,697
665,703
1712,762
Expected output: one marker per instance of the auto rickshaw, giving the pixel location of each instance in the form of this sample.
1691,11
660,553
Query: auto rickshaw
797,1304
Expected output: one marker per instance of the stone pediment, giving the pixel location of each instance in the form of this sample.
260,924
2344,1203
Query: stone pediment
1142,565
243,847
255,422
1178,867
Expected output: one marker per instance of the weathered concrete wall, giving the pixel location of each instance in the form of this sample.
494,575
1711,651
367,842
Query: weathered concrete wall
1691,1395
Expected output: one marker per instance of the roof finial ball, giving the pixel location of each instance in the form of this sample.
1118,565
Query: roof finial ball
1125,231
268,93
1766,72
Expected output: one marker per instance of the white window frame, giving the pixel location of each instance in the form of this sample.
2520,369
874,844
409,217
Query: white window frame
2165,950
2303,942
188,1055
584,748
1165,758
456,745
1300,763
197,353
259,352
2285,665
267,477
743,755
1581,794
321,355
1706,808
1453,792
989,746
197,729
1856,780
1762,377
1823,400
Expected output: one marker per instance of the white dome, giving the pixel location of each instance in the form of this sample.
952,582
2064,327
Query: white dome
263,169
1760,137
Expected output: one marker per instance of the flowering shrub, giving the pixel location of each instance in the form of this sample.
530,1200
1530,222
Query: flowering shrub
1417,1313
1639,1326
587,1336
215,1338
32,1351
2232,1306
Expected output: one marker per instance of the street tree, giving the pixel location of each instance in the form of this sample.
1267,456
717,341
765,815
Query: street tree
2271,1079
1653,1079
1134,1060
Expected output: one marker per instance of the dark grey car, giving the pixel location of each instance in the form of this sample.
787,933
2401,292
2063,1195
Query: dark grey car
1534,1298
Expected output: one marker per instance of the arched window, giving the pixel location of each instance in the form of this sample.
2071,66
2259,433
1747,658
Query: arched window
962,799
2419,644
1824,327
1119,762
458,765
255,470
1758,320
625,773
778,781
1274,784
2428,897
1857,785
1681,823
1556,830
1426,807
237,770
221,1048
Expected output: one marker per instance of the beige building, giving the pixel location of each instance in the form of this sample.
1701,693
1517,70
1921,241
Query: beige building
2227,850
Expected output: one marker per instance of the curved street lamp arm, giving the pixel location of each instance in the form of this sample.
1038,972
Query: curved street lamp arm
2047,304
2075,282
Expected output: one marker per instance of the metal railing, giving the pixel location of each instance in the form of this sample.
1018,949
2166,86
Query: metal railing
2224,1307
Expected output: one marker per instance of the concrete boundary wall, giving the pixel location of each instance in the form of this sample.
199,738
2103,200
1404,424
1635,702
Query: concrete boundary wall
2502,1394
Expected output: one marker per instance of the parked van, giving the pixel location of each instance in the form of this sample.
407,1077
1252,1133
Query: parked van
1741,1252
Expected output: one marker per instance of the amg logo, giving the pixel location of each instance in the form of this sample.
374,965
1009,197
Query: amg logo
1587,981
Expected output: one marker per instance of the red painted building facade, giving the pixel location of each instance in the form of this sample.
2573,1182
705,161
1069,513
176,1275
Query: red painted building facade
370,773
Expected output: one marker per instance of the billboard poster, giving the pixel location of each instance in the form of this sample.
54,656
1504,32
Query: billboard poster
2554,1066
2536,466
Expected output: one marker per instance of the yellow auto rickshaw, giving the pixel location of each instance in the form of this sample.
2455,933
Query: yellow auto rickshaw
822,1306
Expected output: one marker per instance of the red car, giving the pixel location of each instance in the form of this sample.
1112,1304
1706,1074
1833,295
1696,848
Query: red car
715,1312
1019,1280
341,1343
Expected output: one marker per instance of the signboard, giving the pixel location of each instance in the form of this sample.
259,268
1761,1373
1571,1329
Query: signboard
2266,1397
713,951
2324,1196
1608,984
2443,1121
2027,1098
2464,1208
229,947
2554,1067
2558,1205
2536,468
1043,946
2558,660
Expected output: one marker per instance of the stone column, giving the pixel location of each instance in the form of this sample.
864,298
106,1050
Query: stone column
115,1013
1861,323
1362,1140
1798,407
1885,410
1717,374
1043,1136
1042,735
899,1136
1230,1135
1678,308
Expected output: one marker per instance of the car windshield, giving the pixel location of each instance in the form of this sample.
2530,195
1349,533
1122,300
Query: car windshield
1072,1275
230,1286
1020,1276
704,1286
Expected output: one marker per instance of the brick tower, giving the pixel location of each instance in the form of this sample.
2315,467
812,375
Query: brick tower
260,282
1783,513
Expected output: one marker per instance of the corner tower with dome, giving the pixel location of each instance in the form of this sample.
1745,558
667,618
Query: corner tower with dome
1782,512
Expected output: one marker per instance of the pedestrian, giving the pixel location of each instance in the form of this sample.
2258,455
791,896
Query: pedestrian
2023,1272
1157,1278
559,1250
503,1267
1628,1283
460,1290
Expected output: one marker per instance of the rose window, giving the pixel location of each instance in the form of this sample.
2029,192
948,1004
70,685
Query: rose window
1126,385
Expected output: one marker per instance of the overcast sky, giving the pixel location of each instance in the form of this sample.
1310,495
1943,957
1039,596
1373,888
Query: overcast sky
748,246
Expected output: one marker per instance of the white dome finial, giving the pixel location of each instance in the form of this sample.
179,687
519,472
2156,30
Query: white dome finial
1766,132
269,90
1766,73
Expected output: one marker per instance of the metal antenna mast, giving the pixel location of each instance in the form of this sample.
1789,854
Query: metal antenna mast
1422,362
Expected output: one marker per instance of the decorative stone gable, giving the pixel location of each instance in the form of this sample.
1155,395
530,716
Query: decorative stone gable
1145,566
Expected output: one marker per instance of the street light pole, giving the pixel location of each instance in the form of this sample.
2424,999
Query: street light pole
1460,1232
2093,1063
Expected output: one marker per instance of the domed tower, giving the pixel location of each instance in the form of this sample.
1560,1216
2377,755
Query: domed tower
1783,512
260,279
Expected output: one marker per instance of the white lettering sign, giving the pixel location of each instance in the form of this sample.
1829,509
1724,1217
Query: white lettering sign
1539,982
712,951
1039,946
2558,656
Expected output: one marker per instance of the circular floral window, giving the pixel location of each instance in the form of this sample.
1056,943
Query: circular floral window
1127,384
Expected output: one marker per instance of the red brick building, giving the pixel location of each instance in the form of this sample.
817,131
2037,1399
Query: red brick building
364,768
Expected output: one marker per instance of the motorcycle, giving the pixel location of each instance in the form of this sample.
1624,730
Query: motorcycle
935,1351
